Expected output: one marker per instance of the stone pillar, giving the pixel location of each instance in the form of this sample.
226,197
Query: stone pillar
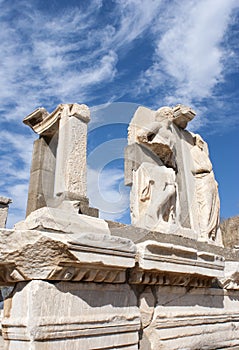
70,175
4,204
58,173
41,185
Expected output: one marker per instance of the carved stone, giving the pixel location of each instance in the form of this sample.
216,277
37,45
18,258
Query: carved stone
58,171
60,315
4,205
196,318
175,191
169,264
90,257
230,280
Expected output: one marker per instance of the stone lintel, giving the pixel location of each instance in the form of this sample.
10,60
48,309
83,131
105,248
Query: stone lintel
92,257
44,123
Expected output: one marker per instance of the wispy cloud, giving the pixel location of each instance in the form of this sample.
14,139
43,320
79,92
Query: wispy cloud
106,191
189,56
50,58
15,161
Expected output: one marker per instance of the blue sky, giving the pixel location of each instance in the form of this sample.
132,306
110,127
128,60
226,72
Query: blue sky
114,56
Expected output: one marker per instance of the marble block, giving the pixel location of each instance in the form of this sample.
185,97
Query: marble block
64,315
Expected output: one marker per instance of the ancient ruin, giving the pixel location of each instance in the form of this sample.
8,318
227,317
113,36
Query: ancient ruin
71,280
168,167
4,205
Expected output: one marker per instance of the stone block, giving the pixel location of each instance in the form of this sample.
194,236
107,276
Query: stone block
57,316
171,264
89,257
191,319
65,221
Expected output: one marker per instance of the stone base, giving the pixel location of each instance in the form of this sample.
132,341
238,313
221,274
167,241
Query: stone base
65,315
62,220
78,287
40,315
174,318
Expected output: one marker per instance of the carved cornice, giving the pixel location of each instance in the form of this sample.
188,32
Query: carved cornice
172,258
102,258
74,271
230,280
139,276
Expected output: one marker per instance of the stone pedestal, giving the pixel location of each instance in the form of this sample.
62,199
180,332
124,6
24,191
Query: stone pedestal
80,287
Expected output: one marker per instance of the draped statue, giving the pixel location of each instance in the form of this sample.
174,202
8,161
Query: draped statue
173,189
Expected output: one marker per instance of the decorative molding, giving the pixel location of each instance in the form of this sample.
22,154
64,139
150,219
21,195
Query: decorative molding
180,261
76,271
138,276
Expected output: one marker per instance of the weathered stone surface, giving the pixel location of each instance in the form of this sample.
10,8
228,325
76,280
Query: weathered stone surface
162,280
182,115
71,151
206,192
58,316
230,232
147,304
230,280
4,204
192,319
44,123
179,192
62,220
59,157
170,264
41,185
31,254
160,215
169,290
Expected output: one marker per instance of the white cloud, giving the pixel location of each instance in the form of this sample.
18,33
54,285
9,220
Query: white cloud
189,53
107,192
22,144
136,16
48,58
15,164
